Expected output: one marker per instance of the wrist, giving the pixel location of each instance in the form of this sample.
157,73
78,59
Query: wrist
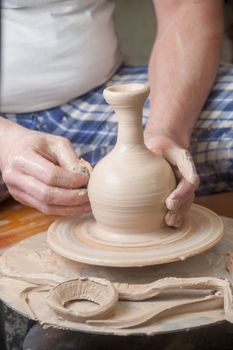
5,132
6,124
9,132
161,133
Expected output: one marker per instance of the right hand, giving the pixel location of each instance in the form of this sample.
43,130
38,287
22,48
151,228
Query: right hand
180,200
43,171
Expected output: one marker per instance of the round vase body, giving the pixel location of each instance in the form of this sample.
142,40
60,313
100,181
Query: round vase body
128,187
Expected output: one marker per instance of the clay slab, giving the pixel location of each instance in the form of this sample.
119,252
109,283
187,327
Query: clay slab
209,314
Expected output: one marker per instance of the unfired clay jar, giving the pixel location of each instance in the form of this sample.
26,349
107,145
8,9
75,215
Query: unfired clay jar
128,187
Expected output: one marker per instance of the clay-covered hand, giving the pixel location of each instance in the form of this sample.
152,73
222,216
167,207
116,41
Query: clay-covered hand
179,201
43,171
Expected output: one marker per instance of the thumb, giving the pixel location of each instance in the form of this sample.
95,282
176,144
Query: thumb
67,158
183,160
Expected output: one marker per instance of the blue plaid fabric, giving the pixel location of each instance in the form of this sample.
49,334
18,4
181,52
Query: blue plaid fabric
90,124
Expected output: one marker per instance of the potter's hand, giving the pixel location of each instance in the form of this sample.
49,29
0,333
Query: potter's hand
43,171
180,200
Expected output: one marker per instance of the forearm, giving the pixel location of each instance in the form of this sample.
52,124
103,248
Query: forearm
183,65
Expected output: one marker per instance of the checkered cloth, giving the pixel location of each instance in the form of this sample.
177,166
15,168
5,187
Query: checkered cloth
90,124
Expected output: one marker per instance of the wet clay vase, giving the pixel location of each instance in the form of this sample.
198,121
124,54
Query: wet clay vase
128,187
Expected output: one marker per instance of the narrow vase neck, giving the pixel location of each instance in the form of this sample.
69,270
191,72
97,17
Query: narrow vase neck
127,101
130,130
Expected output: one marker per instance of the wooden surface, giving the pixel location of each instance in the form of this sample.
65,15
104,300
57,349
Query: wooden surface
18,222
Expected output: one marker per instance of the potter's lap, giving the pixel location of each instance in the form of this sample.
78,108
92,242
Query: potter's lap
91,126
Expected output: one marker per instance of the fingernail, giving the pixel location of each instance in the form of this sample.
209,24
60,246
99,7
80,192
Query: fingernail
83,170
173,219
168,219
82,193
87,166
80,168
172,203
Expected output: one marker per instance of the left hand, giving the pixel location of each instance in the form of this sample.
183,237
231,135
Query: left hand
179,201
43,171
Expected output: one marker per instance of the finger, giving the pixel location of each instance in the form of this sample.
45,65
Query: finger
183,160
48,209
45,171
61,149
82,167
66,156
175,218
180,195
48,194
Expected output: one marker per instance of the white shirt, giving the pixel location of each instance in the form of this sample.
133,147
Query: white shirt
55,50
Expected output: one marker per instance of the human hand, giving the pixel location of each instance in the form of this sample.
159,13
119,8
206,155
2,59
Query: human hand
179,201
43,171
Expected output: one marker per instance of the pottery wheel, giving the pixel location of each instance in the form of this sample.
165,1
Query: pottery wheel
31,263
74,238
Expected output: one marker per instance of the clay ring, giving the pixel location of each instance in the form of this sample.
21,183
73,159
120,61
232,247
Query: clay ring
96,290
